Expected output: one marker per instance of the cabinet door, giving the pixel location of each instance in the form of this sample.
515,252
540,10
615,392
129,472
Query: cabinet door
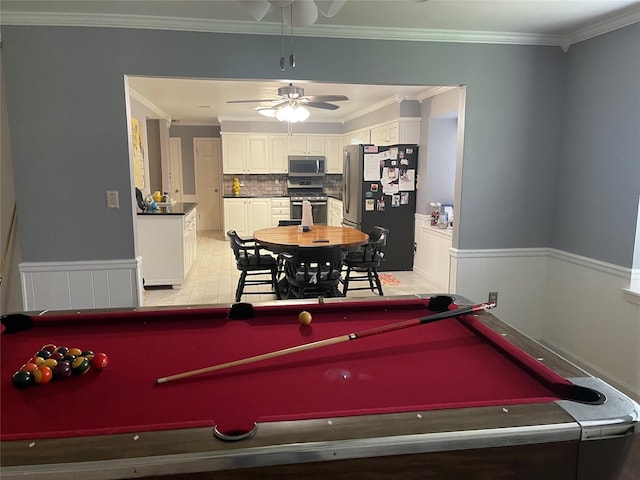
333,152
393,133
278,154
259,214
257,154
235,215
297,145
233,154
315,145
361,136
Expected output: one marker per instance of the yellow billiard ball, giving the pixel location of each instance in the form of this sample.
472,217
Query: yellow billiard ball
304,318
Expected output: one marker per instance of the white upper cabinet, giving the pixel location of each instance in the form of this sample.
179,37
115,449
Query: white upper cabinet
233,154
257,148
306,145
387,134
355,138
278,152
333,153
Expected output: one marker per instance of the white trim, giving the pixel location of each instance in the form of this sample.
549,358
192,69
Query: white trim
70,19
372,108
432,92
157,110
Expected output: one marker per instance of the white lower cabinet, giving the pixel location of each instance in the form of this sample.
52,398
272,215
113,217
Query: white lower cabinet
280,210
167,245
246,215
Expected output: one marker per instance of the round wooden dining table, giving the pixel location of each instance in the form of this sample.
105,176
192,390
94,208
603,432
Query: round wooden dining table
288,239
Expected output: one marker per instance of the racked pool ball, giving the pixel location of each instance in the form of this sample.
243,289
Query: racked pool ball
80,365
304,318
22,379
62,370
42,375
29,367
99,361
75,352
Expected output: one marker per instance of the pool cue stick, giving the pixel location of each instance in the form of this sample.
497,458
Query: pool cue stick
332,341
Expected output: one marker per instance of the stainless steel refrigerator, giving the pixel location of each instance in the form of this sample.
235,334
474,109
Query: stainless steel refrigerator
379,189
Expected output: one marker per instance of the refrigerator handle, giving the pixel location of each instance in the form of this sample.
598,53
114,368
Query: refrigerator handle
346,172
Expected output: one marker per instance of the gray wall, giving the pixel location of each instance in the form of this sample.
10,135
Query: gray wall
599,170
65,86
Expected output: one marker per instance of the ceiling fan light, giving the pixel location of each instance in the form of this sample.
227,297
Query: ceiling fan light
301,13
302,113
256,8
292,114
330,8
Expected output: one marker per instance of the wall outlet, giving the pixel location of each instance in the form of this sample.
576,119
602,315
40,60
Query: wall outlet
493,298
113,199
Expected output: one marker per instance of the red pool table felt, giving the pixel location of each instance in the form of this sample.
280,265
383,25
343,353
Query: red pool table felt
451,363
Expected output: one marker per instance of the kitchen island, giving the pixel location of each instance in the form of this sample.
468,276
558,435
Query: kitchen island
167,243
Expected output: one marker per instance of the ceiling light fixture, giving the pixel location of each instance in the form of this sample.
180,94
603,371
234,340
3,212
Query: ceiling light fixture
305,14
290,112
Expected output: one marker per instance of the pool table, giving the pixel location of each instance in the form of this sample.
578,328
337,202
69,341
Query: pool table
464,397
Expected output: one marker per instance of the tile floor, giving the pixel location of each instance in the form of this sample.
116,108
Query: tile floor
213,279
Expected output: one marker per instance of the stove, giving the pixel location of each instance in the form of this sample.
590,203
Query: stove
311,189
312,196
305,188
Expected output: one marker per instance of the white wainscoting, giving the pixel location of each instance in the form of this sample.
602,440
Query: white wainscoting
592,320
577,306
81,285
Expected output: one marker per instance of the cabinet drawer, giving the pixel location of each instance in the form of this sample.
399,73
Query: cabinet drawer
280,210
280,202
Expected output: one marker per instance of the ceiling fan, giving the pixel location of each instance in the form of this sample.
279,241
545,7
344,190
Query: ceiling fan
303,13
292,98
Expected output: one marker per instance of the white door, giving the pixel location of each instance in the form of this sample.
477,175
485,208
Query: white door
208,182
175,169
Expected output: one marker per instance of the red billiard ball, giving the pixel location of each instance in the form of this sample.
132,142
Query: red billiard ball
29,367
99,361
57,356
42,375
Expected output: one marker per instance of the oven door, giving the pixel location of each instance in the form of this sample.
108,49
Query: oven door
318,211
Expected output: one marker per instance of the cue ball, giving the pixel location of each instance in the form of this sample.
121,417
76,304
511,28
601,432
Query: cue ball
304,318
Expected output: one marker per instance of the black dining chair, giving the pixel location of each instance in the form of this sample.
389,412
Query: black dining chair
362,265
314,272
252,261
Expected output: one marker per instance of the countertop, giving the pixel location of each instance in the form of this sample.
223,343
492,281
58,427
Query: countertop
180,208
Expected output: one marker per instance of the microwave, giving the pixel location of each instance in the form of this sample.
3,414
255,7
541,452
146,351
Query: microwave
306,166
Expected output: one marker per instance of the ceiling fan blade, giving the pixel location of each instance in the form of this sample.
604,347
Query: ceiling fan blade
324,106
254,101
326,98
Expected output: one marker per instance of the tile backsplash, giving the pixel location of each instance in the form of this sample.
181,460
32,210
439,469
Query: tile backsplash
274,185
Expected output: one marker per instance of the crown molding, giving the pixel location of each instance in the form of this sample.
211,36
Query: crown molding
432,92
372,108
270,28
155,109
629,17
